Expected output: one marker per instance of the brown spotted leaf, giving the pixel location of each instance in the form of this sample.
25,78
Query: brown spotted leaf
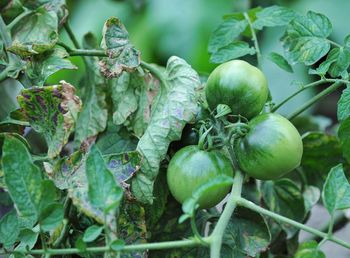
51,111
122,56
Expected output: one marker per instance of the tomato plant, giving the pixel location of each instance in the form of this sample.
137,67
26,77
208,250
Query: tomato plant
191,167
271,148
132,159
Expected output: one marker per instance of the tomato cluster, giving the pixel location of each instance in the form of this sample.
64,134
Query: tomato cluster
269,149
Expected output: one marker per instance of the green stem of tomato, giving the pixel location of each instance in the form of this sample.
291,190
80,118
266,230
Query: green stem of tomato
316,98
217,235
255,39
305,87
252,206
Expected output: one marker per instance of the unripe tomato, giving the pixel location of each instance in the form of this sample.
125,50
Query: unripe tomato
271,148
239,85
191,167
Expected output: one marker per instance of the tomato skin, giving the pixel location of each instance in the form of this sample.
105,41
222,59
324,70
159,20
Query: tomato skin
271,148
239,85
191,167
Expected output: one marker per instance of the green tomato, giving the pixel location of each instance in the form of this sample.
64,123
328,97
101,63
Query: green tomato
191,167
239,85
271,148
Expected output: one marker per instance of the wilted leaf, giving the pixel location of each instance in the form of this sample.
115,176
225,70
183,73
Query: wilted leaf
35,33
122,56
175,106
336,190
124,165
41,66
305,39
51,111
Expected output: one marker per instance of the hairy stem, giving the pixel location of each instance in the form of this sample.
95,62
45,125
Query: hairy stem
250,205
255,40
316,98
103,249
217,235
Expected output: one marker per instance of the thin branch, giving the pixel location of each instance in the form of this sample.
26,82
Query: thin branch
255,39
71,35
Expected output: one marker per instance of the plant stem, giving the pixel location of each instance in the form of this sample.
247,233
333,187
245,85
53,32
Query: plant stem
85,52
71,35
250,205
335,44
156,72
17,19
305,87
14,121
316,98
216,236
5,33
102,249
255,39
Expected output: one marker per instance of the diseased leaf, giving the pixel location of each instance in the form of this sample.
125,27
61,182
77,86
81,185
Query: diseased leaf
51,111
309,250
305,39
246,234
22,179
232,51
41,66
278,195
9,229
336,190
35,33
122,56
281,62
228,31
321,152
175,106
344,138
103,189
92,233
93,117
273,16
343,111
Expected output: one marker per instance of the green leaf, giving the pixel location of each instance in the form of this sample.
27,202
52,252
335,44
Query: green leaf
117,245
22,179
104,190
309,250
344,138
122,56
51,217
35,33
92,233
246,234
305,39
321,152
343,111
51,111
80,244
228,31
278,195
336,190
232,51
93,117
116,139
273,16
311,196
28,239
336,64
280,61
40,67
191,204
174,107
9,229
